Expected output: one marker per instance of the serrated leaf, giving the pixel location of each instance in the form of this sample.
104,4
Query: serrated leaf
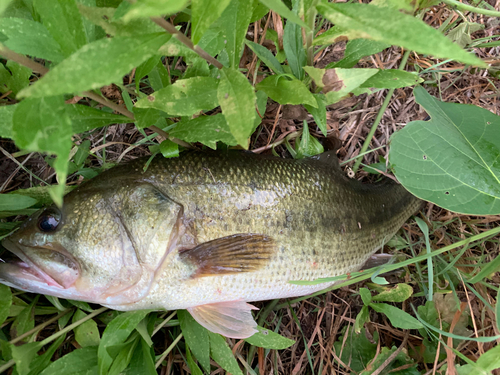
222,354
451,160
84,118
355,50
78,362
28,37
203,14
237,100
401,292
392,79
268,339
87,333
196,337
42,124
153,8
234,22
397,317
116,332
185,97
283,11
403,30
285,91
293,46
205,129
64,22
96,64
266,56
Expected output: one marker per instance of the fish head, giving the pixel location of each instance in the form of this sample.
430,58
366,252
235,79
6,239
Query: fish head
103,246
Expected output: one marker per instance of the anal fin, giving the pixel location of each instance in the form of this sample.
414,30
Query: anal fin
245,252
231,319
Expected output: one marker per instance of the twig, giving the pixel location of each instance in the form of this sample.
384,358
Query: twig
393,356
379,115
186,41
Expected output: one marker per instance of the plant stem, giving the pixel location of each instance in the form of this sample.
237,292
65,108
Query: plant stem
169,349
186,41
379,116
470,8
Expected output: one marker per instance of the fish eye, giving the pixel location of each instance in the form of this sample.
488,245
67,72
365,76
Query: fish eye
49,220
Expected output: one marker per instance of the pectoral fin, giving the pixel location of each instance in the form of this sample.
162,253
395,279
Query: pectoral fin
231,319
232,254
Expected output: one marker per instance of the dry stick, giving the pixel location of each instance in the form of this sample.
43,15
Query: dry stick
186,41
379,115
36,67
393,356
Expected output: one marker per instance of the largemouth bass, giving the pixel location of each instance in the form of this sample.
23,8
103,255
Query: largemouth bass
206,232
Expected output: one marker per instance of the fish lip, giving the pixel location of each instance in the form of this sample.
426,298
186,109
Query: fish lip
26,265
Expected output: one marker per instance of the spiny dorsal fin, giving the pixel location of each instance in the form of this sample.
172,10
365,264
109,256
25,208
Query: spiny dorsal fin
237,253
232,319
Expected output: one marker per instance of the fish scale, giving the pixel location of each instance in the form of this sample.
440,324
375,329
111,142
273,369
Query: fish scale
209,231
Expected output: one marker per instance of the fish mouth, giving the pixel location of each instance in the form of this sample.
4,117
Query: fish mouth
17,269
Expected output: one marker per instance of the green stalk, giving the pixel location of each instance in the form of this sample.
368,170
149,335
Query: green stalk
470,8
379,116
169,349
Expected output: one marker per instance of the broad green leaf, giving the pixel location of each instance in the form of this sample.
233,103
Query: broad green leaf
142,361
285,91
401,292
79,362
261,108
13,202
3,5
403,30
308,145
234,24
392,79
159,77
402,360
144,69
362,318
484,365
5,302
122,354
283,11
268,339
340,82
18,80
185,97
195,370
222,354
196,337
355,50
145,117
64,22
294,49
205,129
105,18
153,8
355,349
24,322
87,333
6,116
260,11
398,317
203,14
332,35
212,41
42,124
237,100
197,67
24,356
169,149
451,160
28,37
366,296
115,333
319,113
266,56
85,118
96,64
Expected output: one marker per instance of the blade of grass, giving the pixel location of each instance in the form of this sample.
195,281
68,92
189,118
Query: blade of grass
430,268
168,350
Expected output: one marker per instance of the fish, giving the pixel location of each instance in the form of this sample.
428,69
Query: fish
207,232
